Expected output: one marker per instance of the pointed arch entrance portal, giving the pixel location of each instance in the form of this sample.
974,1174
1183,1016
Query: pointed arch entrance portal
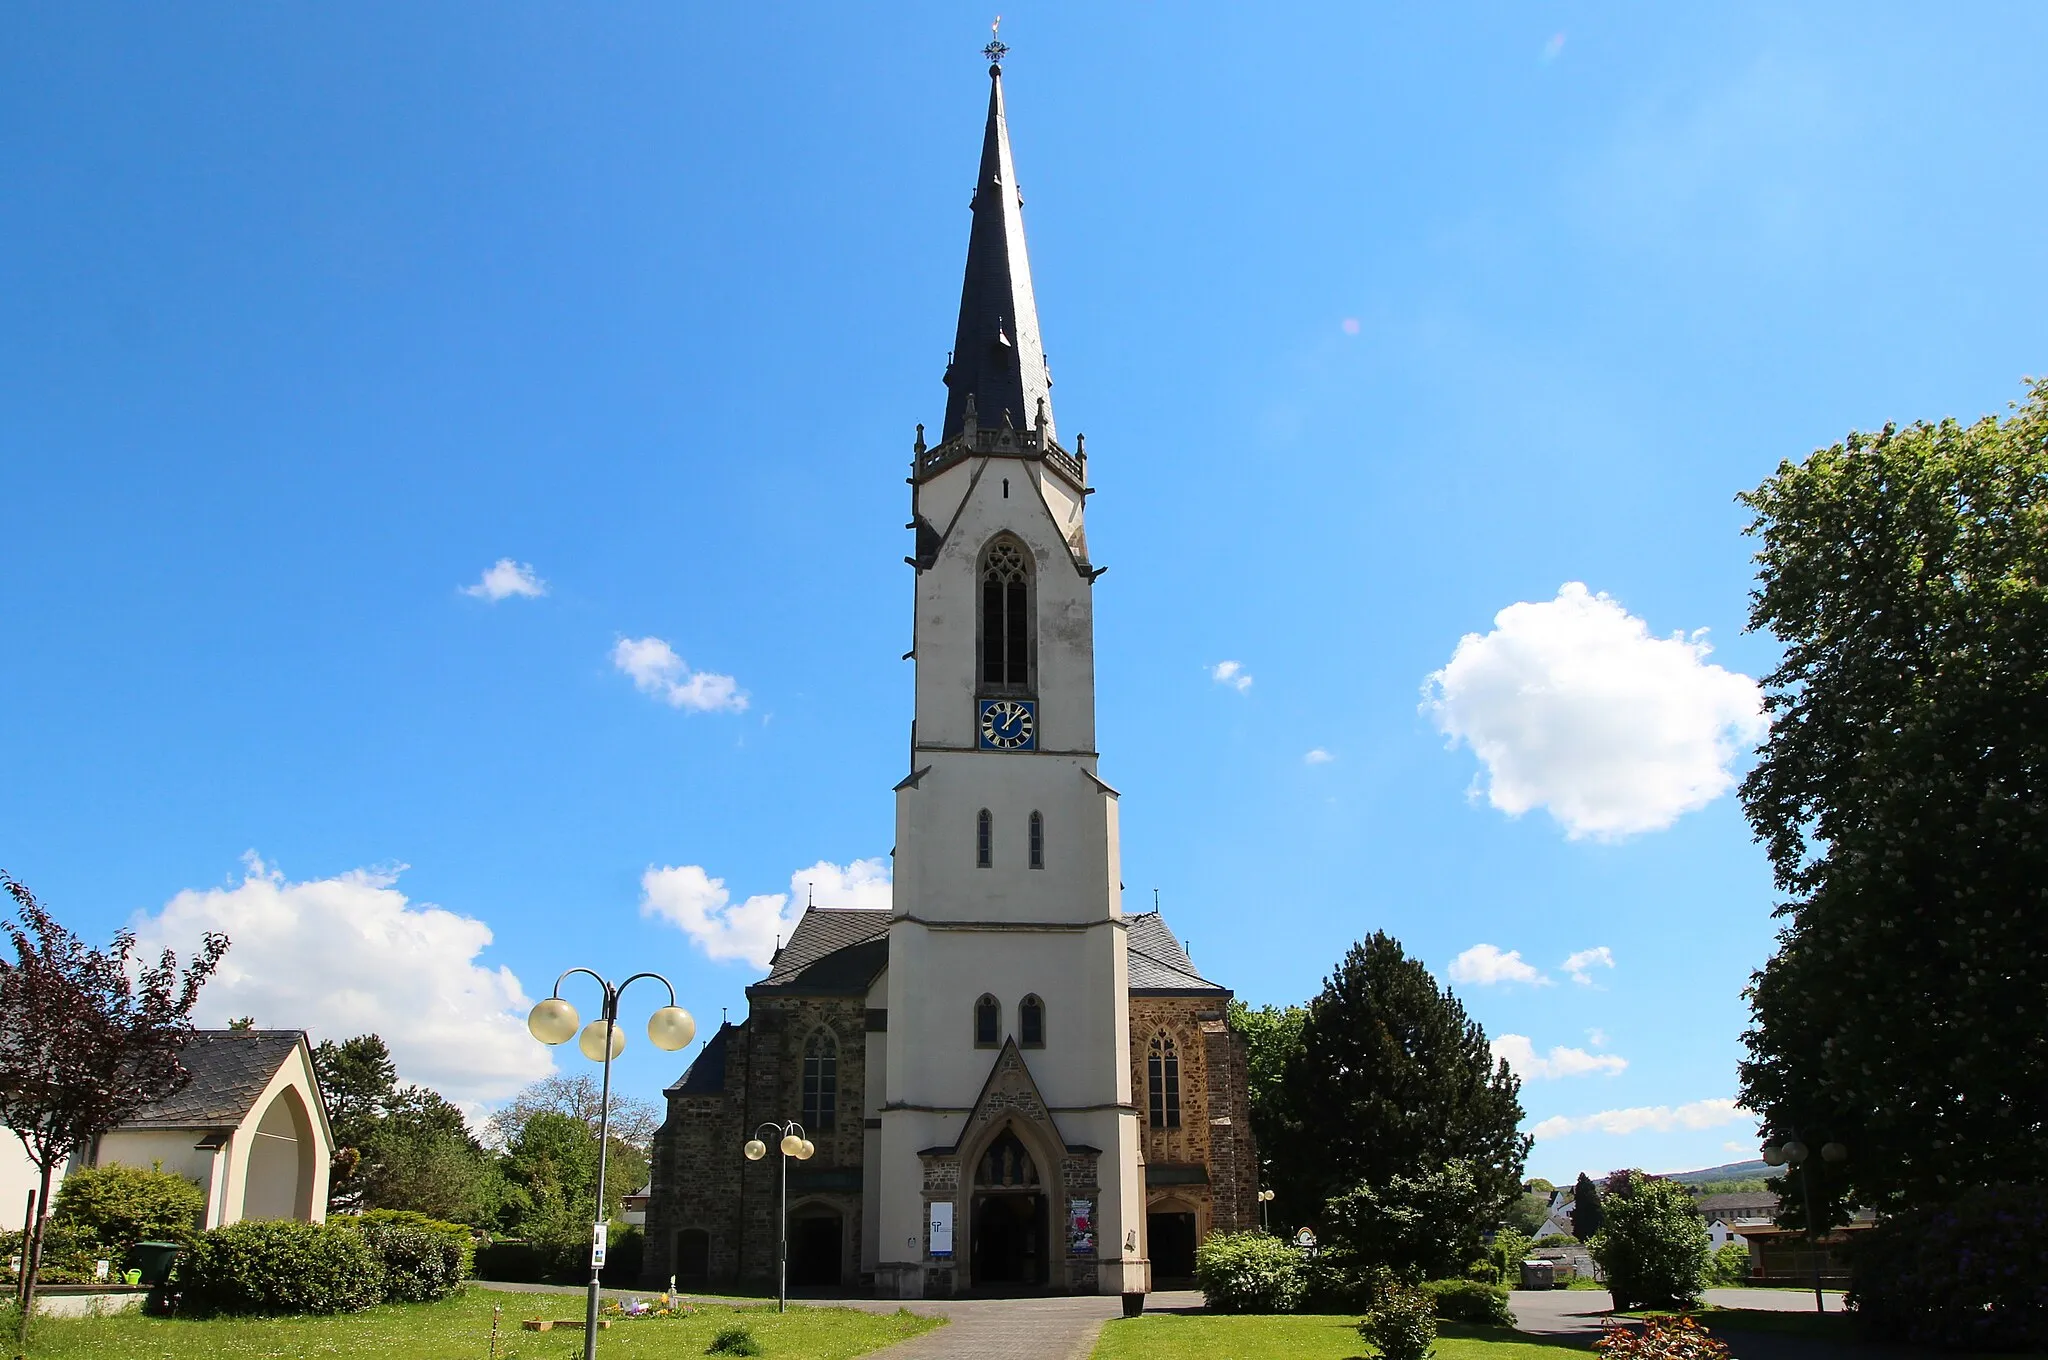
1011,1238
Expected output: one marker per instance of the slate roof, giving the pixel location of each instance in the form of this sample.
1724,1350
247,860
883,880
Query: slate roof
832,952
1739,1204
230,1068
706,1075
998,358
1157,962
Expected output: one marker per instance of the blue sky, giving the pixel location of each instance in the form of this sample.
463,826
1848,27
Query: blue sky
1379,323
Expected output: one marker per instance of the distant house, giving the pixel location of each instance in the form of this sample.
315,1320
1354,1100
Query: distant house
250,1130
1557,1219
1738,1209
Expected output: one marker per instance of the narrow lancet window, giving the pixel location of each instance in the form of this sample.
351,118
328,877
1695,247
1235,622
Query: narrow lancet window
821,1082
1162,1082
1005,619
1038,840
984,837
1031,1023
988,1022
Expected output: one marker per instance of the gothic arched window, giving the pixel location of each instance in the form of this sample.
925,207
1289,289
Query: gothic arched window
1005,619
1031,1023
1162,1082
821,1082
984,839
1038,840
988,1022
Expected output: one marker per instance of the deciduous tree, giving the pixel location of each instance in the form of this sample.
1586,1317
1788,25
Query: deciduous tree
1903,798
87,1038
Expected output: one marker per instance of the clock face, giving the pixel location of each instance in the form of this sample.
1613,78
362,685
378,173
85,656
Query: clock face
1008,725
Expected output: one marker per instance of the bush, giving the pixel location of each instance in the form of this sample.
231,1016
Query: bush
418,1266
279,1266
68,1256
1653,1247
511,1261
1663,1338
114,1207
733,1341
1728,1266
1469,1301
623,1256
1332,1281
1965,1275
458,1235
1557,1240
1400,1325
1248,1272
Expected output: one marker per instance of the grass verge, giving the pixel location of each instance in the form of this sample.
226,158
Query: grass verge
1298,1336
460,1328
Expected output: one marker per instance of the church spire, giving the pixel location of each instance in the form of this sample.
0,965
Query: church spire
998,368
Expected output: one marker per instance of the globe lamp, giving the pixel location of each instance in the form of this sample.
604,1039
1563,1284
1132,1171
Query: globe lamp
791,1144
553,1021
593,1045
756,1149
671,1028
803,1154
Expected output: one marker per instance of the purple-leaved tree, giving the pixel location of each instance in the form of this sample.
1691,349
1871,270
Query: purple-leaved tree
87,1038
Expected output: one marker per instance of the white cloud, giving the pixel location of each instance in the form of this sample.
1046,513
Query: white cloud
1485,965
1571,705
1597,1038
1700,1114
1231,673
1528,1064
351,955
1317,757
1600,956
702,908
506,578
1736,1145
657,670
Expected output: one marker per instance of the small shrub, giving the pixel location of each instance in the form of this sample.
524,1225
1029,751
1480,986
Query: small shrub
1965,1275
459,1235
1662,1338
68,1256
1653,1247
279,1266
1334,1282
114,1207
1400,1325
1248,1272
512,1262
733,1341
1728,1266
1556,1240
419,1266
1469,1301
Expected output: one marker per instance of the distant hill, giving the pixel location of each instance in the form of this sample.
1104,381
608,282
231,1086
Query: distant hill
1715,1175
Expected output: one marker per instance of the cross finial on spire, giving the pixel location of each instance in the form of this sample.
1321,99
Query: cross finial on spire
997,49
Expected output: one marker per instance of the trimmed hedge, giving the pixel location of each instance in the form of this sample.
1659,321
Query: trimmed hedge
114,1207
419,1266
458,1235
279,1266
1469,1301
1248,1272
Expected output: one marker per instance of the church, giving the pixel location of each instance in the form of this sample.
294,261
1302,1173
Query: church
1010,1084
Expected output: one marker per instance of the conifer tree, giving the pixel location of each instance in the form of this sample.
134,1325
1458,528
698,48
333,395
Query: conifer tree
1587,1215
1393,1079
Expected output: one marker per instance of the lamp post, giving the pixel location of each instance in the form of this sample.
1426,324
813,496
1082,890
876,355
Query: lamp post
1265,1198
1798,1154
554,1021
790,1142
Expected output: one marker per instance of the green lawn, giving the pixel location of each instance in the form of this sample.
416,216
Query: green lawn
1297,1336
460,1329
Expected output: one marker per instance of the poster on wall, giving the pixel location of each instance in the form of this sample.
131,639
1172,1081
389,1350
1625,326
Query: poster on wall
942,1227
1080,1227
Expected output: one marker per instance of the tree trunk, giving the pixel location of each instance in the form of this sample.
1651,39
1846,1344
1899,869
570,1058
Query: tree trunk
32,1260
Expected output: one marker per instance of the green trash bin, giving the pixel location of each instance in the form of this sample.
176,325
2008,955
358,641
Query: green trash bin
153,1259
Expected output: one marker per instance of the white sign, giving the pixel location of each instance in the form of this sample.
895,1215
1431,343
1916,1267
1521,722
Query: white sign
942,1227
1305,1239
597,1238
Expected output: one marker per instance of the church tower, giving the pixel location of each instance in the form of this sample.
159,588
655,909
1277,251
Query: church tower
1009,1147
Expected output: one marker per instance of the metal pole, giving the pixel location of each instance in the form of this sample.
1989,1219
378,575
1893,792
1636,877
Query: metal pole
782,1237
604,1111
1812,1228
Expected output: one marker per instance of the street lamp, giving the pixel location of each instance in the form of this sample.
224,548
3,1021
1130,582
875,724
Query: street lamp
790,1142
1265,1198
1798,1154
554,1021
